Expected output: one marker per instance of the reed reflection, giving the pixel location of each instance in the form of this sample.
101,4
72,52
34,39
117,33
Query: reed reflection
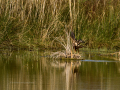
29,71
69,72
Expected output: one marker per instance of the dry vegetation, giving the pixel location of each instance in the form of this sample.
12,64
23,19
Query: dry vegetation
36,23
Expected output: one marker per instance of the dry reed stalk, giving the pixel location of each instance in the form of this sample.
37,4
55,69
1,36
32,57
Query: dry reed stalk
22,12
70,9
6,10
74,12
42,10
37,8
52,3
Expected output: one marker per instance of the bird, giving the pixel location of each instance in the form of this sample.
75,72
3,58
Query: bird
76,43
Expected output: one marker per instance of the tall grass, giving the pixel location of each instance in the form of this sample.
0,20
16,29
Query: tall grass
35,23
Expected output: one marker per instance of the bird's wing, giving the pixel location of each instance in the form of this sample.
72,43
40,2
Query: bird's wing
72,35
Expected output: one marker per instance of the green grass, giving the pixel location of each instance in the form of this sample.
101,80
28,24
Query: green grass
27,24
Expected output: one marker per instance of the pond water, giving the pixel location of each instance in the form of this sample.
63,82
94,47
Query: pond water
31,70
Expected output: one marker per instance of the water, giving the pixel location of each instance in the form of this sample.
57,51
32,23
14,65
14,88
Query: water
30,70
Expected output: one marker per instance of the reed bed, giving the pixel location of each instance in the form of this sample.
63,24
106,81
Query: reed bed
35,23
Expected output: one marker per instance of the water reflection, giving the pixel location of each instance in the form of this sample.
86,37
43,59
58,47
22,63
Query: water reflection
28,71
69,72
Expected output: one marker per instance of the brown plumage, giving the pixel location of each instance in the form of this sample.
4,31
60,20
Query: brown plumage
76,43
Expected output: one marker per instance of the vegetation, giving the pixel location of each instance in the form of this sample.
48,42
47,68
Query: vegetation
37,23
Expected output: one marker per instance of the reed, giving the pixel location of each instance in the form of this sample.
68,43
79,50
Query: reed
32,23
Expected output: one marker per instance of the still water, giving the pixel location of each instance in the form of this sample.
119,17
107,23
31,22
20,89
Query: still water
30,70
